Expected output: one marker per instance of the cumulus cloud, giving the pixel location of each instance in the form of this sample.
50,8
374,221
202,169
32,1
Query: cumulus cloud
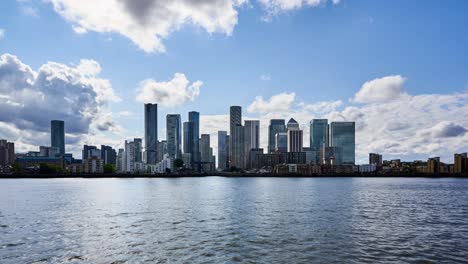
380,90
277,103
170,93
400,125
30,99
148,22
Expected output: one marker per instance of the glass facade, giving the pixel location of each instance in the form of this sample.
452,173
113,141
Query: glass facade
57,135
342,135
151,133
276,126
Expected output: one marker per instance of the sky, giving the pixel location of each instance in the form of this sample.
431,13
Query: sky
398,68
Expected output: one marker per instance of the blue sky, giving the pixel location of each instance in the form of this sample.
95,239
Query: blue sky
322,53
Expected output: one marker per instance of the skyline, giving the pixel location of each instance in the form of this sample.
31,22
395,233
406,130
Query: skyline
408,99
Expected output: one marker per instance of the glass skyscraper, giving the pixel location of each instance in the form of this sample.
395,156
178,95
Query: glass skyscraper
237,147
342,135
194,117
151,133
276,126
222,150
57,135
188,138
173,136
318,134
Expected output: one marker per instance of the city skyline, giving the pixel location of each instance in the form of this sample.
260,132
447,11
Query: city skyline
345,61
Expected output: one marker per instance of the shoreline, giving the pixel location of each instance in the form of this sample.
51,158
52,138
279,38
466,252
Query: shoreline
225,175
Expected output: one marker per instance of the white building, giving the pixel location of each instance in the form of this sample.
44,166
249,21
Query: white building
164,164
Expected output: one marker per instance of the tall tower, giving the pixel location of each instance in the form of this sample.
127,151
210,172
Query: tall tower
251,137
222,150
151,133
276,126
295,136
318,134
57,135
237,148
194,117
173,136
342,135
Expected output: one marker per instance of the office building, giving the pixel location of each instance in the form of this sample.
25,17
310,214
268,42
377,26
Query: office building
90,151
188,138
319,134
121,160
48,151
295,136
108,155
222,150
194,117
375,159
151,133
342,135
281,142
162,150
7,153
251,137
132,154
173,136
205,147
57,135
276,126
237,139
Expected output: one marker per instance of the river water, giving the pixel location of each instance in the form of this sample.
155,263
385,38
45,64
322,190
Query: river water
234,220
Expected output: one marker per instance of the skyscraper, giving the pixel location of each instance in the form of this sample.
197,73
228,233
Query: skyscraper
173,136
194,117
222,150
375,159
295,136
57,135
281,142
276,126
162,150
205,148
318,134
151,133
132,154
237,148
342,135
251,137
108,155
188,138
7,153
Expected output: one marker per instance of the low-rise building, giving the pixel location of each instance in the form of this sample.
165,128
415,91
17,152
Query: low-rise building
93,165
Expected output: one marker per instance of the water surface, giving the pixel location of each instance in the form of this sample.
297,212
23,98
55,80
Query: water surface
231,220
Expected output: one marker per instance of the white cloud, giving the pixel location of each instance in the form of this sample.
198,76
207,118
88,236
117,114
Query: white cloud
168,94
30,99
277,103
400,125
2,33
275,7
381,90
148,22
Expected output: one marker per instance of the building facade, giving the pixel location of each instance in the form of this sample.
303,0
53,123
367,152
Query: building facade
276,126
7,153
151,133
342,135
173,136
222,150
57,135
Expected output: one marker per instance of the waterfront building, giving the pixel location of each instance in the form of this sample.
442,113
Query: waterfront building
251,138
93,164
57,135
295,136
342,135
90,151
281,142
434,165
121,160
7,153
132,154
311,155
205,148
375,159
237,138
162,150
173,137
253,157
461,163
187,159
276,126
319,134
165,165
194,117
188,138
151,133
108,155
222,150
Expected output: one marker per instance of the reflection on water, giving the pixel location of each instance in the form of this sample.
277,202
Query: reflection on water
218,220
